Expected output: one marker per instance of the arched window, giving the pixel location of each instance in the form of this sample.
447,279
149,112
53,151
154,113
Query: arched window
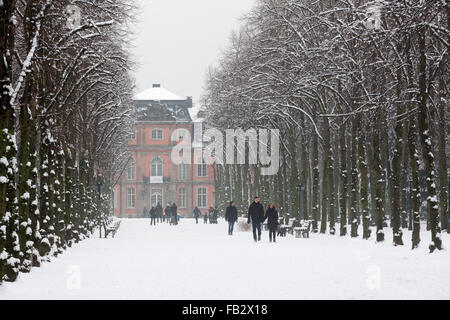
156,197
131,171
157,167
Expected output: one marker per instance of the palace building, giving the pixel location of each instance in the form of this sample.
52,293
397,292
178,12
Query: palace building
150,176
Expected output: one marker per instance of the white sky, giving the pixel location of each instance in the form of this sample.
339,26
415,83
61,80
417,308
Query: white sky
176,41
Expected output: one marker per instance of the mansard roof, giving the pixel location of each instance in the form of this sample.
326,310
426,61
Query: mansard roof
157,93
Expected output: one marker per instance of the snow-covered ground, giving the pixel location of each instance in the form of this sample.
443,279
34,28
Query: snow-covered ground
192,261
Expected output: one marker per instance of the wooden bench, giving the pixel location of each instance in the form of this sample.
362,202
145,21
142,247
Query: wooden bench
286,228
304,229
112,228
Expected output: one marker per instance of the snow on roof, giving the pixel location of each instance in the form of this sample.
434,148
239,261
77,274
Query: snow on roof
157,93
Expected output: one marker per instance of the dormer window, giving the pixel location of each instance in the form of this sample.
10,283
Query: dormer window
157,134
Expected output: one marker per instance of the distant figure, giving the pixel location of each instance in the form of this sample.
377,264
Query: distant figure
272,221
205,218
144,212
174,213
214,216
168,213
256,217
153,216
231,215
159,211
210,213
197,213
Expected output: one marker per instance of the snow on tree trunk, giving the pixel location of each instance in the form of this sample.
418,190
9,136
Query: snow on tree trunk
427,147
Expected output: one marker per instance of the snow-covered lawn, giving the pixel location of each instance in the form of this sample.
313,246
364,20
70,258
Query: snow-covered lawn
192,261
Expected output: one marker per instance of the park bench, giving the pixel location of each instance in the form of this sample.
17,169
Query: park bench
283,229
112,228
304,229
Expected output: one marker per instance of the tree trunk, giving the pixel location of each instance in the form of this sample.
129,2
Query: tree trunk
315,187
293,181
364,184
397,162
356,123
325,176
443,175
427,147
344,177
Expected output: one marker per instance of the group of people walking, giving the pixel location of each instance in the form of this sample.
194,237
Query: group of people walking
157,214
210,216
256,216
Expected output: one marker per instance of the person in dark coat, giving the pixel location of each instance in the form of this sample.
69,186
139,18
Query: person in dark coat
272,221
145,212
174,213
153,216
231,215
167,215
197,213
205,218
159,211
210,214
256,217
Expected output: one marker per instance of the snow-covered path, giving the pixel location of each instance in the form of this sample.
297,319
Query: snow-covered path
201,262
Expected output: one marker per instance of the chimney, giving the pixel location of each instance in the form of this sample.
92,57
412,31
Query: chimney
156,85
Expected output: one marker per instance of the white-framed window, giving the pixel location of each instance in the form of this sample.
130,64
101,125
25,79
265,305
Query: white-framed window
202,168
202,198
182,171
182,134
156,197
157,167
131,198
131,170
182,197
157,134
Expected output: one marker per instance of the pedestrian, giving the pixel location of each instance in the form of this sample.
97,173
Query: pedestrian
197,213
159,211
153,216
231,216
210,214
272,221
205,218
174,213
144,212
168,213
256,217
215,214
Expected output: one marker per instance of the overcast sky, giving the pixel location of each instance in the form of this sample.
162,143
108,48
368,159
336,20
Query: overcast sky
176,41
